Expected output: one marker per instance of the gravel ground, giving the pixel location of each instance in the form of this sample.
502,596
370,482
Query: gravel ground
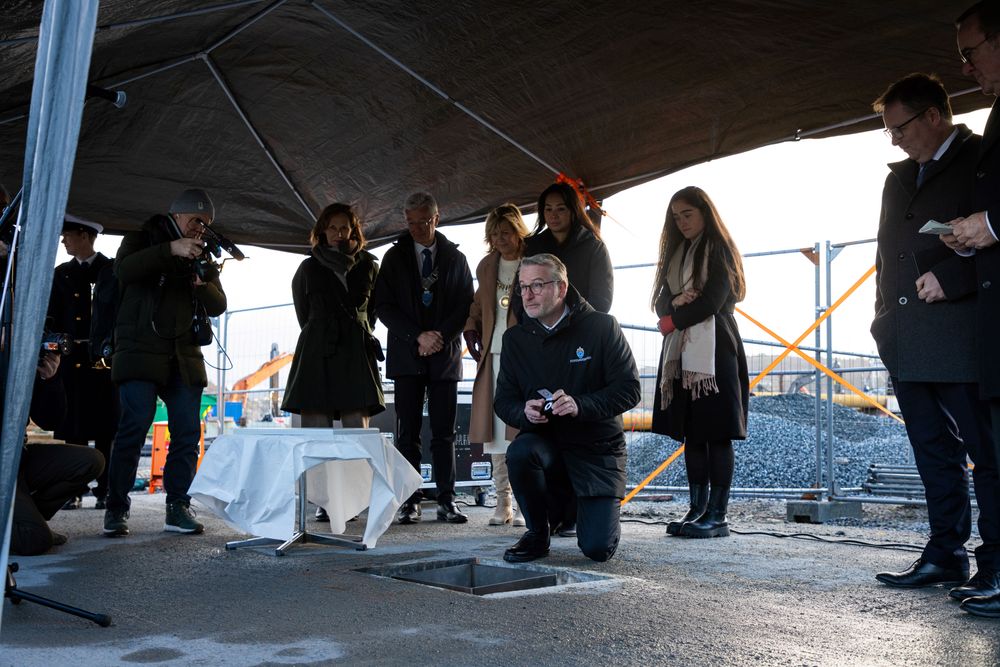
780,450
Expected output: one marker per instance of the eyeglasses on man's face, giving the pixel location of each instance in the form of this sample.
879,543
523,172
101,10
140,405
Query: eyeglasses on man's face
536,286
421,223
966,53
897,132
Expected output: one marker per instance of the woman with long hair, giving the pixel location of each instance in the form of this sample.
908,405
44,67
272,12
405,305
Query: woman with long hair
702,387
565,230
334,375
489,316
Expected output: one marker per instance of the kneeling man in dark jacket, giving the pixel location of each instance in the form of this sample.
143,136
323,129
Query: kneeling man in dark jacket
566,376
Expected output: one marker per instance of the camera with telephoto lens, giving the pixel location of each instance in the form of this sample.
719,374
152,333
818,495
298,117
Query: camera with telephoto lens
204,265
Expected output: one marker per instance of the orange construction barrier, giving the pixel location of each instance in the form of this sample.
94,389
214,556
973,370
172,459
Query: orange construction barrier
161,443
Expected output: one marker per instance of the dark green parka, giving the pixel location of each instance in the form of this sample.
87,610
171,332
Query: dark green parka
158,302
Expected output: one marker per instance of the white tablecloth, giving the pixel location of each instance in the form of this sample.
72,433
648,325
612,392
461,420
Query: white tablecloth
248,478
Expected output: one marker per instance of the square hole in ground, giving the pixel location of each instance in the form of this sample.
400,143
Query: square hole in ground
476,576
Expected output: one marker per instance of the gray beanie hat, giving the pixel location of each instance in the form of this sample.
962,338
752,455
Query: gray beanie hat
194,200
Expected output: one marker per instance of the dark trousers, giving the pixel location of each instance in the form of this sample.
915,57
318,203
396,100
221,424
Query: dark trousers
47,477
945,422
540,482
138,405
442,405
103,445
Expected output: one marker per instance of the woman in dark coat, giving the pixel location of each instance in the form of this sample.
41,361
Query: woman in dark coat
334,374
564,230
702,390
489,317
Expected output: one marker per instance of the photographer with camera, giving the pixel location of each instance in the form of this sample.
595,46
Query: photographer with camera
169,287
91,398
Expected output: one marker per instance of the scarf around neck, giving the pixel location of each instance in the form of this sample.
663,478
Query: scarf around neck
688,354
338,262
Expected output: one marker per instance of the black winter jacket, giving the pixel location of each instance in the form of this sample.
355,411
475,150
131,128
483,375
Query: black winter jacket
397,304
588,264
586,356
153,329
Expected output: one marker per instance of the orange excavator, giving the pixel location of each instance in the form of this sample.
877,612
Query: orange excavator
269,369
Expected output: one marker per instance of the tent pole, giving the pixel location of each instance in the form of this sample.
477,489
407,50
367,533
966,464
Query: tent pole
256,135
438,91
246,24
60,76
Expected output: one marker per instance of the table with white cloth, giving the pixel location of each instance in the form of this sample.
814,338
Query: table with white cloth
250,477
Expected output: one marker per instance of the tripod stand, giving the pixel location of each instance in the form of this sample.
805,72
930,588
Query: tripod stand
10,590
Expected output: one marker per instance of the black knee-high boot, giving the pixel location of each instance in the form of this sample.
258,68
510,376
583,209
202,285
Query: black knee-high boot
699,501
713,522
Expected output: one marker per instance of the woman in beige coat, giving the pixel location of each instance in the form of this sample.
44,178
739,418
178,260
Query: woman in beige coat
489,317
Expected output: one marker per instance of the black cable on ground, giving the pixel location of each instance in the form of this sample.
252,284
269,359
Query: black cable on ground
893,546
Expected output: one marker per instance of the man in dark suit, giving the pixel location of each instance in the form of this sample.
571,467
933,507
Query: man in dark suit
91,399
925,292
979,48
422,295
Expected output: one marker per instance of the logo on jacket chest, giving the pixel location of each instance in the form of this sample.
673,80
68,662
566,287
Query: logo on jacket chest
581,355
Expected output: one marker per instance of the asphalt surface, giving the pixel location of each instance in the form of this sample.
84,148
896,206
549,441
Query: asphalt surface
747,599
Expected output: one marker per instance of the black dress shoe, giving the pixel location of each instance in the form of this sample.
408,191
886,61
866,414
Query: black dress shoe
564,529
409,513
985,606
448,512
984,584
923,573
531,546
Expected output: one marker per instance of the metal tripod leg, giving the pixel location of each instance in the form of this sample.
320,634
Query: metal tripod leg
302,535
16,595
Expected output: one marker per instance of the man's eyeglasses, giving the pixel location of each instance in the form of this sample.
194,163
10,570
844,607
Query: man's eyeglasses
421,223
536,287
966,54
897,132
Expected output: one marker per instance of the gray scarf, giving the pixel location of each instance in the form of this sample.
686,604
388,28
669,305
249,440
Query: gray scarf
338,262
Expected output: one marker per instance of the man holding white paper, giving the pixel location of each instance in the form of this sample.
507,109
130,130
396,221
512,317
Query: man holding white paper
976,234
924,327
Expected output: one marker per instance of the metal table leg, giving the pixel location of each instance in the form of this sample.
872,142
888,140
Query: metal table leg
302,535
